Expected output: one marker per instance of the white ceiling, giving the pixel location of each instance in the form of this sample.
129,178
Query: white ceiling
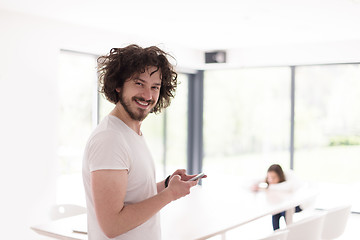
209,24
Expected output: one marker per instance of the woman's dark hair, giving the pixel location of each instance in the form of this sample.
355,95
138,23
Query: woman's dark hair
278,170
123,63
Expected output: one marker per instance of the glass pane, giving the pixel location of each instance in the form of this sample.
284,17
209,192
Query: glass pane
77,96
327,123
153,130
105,107
246,120
176,128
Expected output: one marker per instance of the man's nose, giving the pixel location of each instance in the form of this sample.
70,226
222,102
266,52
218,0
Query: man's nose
146,94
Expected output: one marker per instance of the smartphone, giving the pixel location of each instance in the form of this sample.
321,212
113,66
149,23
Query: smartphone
200,175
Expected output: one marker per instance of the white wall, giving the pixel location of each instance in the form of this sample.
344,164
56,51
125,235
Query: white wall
29,48
28,123
300,54
317,53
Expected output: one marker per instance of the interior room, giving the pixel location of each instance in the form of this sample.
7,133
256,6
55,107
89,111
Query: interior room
260,82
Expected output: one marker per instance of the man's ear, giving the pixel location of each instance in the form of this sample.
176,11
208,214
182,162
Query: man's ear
118,90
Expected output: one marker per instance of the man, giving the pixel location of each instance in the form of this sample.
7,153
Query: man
123,199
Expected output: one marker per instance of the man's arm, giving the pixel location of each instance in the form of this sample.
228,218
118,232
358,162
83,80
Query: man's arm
160,186
115,218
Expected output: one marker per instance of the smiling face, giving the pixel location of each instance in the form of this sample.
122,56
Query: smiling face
140,93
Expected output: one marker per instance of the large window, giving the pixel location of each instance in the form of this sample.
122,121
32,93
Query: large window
176,128
327,123
76,119
246,120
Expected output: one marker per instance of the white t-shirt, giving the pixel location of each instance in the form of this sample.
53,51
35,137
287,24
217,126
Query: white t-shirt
113,145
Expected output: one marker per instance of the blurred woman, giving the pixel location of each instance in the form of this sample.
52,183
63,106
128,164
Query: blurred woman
277,180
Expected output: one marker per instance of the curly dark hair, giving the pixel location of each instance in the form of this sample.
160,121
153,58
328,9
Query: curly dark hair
123,63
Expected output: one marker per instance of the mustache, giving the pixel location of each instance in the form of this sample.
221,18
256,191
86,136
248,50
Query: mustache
151,101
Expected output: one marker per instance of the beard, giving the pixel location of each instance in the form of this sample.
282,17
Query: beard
136,114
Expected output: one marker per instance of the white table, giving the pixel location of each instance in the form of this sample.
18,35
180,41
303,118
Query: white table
71,228
205,213
209,212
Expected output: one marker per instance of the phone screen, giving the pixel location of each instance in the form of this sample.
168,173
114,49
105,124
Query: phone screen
197,177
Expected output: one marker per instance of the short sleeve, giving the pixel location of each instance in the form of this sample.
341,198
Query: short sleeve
108,150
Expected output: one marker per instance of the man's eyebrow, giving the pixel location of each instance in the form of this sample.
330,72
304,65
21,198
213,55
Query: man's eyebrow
142,80
139,79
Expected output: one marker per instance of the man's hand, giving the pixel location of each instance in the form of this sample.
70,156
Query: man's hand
180,188
183,175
